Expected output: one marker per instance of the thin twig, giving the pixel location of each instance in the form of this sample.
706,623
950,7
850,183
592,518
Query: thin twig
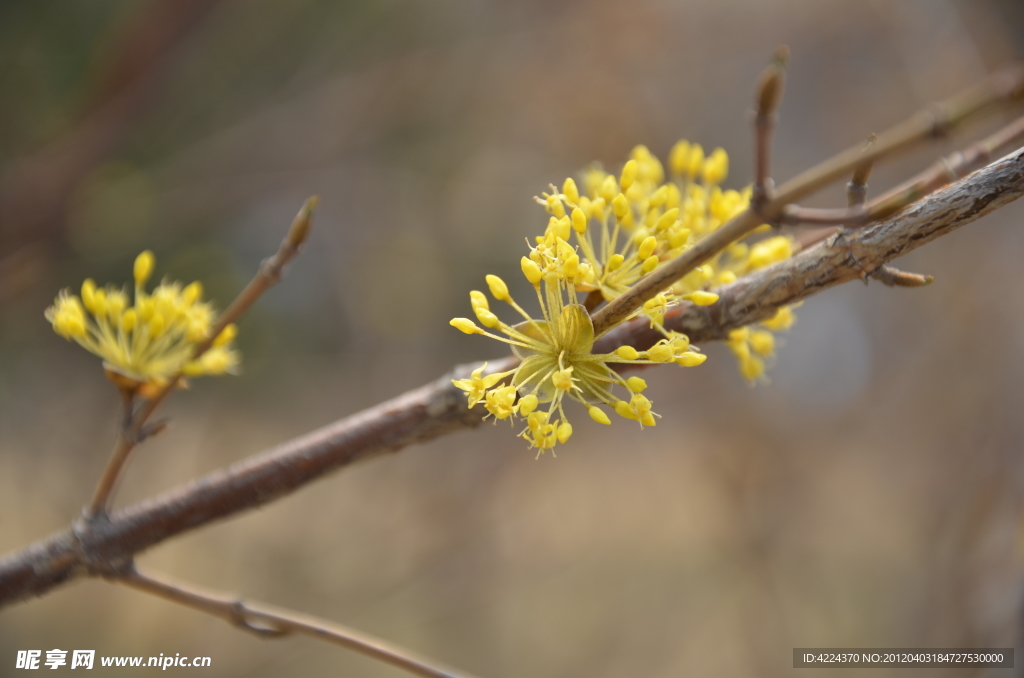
759,295
940,173
943,171
35,190
934,121
857,215
947,169
275,623
118,457
769,94
439,408
269,274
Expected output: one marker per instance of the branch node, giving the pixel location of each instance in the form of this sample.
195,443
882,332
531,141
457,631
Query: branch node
856,193
152,429
269,267
857,189
240,617
760,195
794,215
97,565
951,166
889,276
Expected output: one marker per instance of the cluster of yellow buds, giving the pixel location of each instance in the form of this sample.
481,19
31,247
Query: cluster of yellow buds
626,227
752,346
146,344
600,242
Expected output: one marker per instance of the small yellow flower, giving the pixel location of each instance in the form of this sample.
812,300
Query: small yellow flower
477,384
152,340
501,402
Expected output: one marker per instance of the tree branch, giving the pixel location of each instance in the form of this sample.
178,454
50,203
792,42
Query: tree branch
106,548
276,623
945,170
932,122
846,256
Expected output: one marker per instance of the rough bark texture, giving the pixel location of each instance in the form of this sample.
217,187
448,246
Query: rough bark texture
107,547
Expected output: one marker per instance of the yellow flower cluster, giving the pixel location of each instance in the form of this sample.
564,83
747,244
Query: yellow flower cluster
149,342
557,357
601,241
627,226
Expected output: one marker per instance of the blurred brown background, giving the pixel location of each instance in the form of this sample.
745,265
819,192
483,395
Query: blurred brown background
870,496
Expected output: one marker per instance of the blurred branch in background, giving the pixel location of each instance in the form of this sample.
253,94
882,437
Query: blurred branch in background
35,190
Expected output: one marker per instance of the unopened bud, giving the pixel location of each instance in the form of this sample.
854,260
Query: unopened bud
773,81
303,221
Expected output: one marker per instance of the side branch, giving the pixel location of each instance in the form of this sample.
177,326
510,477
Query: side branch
848,255
275,623
935,121
439,408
